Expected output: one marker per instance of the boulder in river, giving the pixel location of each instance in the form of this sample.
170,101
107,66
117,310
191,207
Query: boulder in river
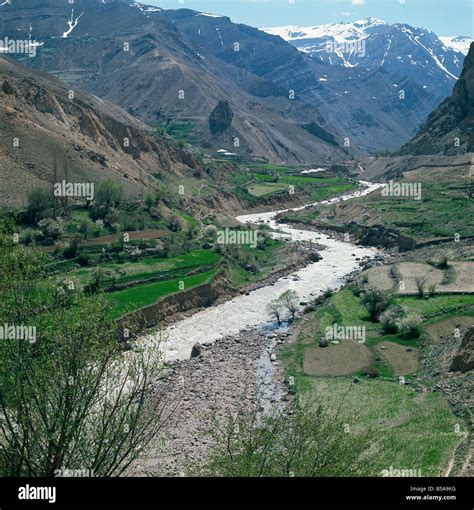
197,350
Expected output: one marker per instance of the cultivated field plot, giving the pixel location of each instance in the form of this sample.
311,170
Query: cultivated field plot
456,277
445,209
129,300
261,190
345,358
446,327
402,359
412,430
138,235
255,182
380,278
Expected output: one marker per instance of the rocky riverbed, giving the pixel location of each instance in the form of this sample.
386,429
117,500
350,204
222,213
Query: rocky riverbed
212,385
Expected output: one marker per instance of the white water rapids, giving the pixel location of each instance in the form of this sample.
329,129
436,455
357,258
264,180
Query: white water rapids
245,311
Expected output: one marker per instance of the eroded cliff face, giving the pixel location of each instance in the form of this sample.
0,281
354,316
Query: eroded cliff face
464,359
45,123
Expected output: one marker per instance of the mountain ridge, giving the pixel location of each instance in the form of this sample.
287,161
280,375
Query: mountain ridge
431,61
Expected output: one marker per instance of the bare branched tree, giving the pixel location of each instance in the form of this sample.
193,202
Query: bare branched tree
289,300
275,309
420,282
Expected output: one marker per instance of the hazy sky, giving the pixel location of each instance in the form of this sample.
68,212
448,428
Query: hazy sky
445,17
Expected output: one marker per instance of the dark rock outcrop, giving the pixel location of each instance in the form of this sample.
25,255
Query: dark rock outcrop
221,118
7,88
320,132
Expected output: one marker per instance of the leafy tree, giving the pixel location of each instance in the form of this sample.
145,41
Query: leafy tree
39,204
302,443
376,302
109,195
72,399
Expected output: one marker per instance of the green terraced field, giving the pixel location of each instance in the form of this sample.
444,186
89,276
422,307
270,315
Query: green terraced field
152,267
129,300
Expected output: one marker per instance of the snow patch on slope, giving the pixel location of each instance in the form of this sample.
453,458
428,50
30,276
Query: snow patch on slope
146,8
72,24
209,15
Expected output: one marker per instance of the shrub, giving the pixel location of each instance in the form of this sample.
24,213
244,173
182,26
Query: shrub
444,263
328,293
355,289
84,260
409,326
111,217
51,229
149,201
376,301
390,318
70,251
432,290
31,236
176,224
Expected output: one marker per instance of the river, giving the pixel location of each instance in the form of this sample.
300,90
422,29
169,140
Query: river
249,311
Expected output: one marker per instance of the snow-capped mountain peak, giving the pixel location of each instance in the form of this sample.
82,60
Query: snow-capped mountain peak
433,63
339,32
458,43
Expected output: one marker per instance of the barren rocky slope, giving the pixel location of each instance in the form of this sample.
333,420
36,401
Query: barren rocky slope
45,125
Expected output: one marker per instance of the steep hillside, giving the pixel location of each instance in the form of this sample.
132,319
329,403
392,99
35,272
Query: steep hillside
125,53
173,67
450,128
380,119
49,132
